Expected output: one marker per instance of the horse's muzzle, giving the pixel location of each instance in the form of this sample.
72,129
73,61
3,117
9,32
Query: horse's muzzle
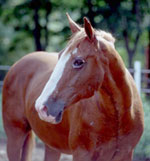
52,111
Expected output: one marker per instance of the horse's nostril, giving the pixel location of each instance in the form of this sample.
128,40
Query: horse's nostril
59,117
45,110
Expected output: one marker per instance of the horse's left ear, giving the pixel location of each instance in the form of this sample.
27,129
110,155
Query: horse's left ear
88,28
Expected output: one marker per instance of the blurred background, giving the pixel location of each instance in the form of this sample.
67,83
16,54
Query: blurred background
37,25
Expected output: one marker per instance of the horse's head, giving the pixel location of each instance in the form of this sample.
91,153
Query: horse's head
79,71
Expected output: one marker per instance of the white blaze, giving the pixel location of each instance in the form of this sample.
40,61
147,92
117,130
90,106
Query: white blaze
75,51
53,80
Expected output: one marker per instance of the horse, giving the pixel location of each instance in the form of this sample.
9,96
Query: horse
82,101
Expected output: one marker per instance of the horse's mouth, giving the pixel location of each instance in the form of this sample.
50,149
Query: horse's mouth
59,117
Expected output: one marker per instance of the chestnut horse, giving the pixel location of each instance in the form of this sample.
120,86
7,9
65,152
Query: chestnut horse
87,105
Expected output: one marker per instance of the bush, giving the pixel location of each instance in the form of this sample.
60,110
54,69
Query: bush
143,148
2,134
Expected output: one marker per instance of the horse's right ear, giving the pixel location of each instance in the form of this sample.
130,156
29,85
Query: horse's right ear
88,28
73,26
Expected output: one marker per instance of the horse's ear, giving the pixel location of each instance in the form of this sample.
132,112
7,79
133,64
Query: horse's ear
73,26
88,28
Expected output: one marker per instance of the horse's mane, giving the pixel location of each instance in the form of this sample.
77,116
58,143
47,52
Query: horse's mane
106,35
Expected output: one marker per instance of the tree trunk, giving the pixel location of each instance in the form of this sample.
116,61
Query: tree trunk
130,59
48,9
46,32
131,51
91,14
37,30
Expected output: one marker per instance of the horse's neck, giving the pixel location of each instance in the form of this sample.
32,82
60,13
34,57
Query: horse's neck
117,86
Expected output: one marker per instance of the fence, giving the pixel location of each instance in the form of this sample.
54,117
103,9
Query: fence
140,76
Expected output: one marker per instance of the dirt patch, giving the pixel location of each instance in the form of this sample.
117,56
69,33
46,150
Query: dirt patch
38,153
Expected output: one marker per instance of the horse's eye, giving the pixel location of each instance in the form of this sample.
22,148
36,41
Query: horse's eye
78,63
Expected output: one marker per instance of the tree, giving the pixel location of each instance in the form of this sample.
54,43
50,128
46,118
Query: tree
120,16
33,25
36,24
31,9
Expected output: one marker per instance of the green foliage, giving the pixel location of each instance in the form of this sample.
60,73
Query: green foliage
143,148
17,27
2,133
17,24
126,19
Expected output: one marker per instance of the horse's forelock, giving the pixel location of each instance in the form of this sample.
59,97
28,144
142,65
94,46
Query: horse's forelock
77,37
